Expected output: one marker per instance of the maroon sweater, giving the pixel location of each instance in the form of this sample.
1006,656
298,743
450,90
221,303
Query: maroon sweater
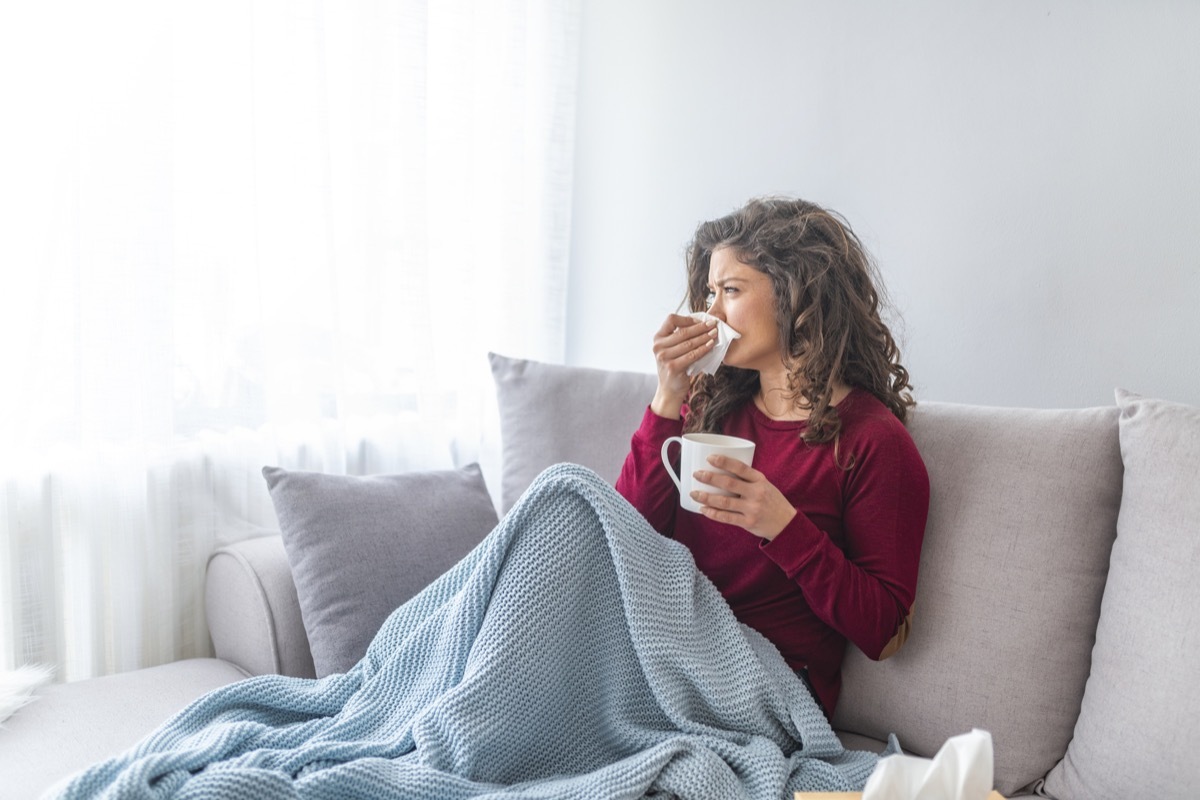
844,568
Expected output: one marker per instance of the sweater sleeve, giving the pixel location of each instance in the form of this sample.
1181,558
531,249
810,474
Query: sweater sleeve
644,481
866,590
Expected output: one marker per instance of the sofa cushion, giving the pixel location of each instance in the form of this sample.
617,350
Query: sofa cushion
1022,517
1140,720
551,413
361,546
70,726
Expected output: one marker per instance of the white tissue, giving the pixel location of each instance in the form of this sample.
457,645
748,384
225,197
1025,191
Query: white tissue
961,770
725,336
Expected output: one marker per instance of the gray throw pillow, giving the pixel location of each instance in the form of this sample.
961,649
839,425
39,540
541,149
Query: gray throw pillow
361,546
551,413
1140,719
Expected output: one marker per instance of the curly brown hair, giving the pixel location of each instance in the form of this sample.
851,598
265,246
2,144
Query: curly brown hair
828,297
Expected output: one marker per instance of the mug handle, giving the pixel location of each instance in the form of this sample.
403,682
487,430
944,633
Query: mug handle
667,463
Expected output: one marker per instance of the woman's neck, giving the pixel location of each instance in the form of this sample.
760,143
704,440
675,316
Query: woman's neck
777,401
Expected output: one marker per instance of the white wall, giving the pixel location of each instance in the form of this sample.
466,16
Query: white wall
1027,175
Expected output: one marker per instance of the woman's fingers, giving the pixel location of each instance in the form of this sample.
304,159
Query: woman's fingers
677,343
720,480
668,336
712,500
676,322
754,504
740,486
689,350
739,468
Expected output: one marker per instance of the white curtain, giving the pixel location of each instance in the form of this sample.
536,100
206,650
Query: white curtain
249,232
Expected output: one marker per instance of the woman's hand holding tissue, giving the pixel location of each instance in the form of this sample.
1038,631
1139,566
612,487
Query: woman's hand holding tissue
678,344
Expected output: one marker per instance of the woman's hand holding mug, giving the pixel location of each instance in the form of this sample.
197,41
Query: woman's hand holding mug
752,502
715,479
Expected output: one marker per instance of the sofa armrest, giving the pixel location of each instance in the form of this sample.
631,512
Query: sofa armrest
253,613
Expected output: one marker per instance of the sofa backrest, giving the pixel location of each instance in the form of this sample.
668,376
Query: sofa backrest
1022,519
1023,515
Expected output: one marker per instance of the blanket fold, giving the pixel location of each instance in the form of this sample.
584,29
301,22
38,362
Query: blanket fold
574,653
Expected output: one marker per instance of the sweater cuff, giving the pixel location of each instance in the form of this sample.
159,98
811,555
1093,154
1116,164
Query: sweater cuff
796,545
656,429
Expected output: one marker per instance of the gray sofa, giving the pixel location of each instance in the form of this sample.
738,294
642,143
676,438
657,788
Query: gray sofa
1057,604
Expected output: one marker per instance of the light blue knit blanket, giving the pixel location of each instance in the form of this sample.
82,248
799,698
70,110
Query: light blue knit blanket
575,653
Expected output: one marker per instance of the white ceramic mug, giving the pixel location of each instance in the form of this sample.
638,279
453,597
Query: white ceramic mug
695,449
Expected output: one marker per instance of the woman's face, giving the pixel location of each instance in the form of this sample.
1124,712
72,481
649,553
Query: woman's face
745,299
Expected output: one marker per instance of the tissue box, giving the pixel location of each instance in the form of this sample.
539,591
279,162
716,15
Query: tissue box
856,796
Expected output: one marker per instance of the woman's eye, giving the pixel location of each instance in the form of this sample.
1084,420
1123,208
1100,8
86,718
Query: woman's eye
709,299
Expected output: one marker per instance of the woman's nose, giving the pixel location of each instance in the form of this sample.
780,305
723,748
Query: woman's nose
716,309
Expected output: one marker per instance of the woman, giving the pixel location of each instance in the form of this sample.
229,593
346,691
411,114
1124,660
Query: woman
820,541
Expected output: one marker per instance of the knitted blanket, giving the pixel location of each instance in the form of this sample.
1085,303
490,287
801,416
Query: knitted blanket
575,653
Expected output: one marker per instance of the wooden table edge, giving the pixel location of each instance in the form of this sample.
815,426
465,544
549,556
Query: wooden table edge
858,796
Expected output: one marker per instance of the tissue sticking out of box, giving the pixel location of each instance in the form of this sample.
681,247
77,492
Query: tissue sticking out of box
961,770
713,358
